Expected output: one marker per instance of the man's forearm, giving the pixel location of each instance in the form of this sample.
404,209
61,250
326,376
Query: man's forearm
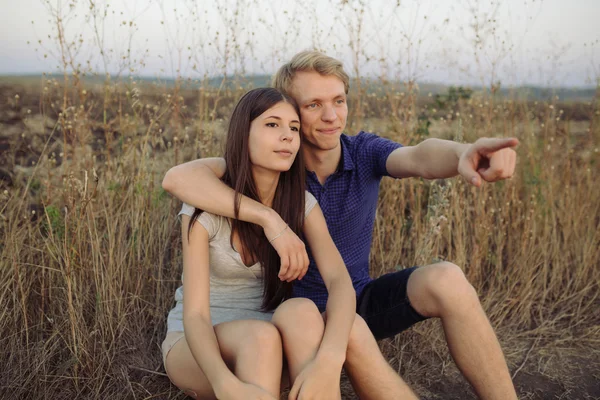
197,185
439,157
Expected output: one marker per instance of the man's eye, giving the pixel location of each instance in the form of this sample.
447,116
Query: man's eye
341,101
312,105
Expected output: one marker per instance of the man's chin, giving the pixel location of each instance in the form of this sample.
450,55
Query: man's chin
322,146
324,143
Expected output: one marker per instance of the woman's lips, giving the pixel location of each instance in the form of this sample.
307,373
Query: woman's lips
284,153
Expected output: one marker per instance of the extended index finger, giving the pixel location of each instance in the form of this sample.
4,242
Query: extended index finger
489,145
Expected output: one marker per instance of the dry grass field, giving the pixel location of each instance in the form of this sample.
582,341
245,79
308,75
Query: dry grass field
90,246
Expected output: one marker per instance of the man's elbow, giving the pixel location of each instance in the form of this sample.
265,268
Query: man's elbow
427,174
169,181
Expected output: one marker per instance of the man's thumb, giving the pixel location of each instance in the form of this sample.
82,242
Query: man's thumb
475,180
470,174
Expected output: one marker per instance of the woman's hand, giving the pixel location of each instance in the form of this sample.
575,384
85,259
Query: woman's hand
318,380
291,250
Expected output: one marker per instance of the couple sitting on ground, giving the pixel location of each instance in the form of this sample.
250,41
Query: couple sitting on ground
258,310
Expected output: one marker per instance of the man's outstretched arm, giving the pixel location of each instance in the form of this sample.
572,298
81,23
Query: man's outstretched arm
487,159
198,184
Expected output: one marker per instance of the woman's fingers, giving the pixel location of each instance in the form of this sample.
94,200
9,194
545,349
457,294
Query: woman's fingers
292,252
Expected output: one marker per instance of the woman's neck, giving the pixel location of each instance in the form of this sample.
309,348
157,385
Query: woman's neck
266,184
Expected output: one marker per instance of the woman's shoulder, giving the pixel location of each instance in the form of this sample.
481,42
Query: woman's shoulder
211,222
309,203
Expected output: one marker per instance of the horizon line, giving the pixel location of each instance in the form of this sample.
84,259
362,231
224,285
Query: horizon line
173,78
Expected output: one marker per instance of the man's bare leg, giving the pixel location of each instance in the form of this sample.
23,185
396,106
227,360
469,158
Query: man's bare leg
442,290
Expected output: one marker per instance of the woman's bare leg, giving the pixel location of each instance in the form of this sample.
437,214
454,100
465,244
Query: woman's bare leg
252,349
301,326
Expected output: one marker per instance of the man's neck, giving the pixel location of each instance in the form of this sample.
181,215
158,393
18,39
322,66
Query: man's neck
322,162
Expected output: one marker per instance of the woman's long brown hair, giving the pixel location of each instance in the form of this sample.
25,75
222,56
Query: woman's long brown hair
289,195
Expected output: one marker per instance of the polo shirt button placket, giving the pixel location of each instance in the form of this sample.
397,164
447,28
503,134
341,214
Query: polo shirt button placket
323,195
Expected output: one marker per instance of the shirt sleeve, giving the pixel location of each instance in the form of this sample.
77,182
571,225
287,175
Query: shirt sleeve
207,220
309,203
374,152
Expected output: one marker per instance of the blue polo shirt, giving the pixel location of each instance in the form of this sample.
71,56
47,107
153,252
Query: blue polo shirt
348,199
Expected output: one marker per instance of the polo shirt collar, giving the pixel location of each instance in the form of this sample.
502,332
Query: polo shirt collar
347,161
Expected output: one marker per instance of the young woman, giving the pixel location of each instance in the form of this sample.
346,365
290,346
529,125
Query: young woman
232,322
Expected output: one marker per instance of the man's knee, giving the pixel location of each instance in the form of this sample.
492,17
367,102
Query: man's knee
439,288
363,354
360,336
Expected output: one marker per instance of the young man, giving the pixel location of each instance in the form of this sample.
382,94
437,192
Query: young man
343,173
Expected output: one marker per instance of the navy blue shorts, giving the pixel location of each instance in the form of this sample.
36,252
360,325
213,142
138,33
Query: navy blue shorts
384,304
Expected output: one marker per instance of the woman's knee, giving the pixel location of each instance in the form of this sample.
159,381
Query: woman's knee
262,335
242,339
297,312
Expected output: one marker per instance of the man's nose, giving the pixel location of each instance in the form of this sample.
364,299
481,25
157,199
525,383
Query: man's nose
329,114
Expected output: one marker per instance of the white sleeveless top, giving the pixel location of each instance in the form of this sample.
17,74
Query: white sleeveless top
235,289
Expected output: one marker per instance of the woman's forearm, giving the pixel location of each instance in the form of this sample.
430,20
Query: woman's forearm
205,349
341,311
341,302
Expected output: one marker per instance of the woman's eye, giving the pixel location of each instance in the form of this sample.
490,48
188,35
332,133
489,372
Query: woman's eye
295,128
271,124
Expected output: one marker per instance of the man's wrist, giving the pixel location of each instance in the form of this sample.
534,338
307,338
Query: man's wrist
460,149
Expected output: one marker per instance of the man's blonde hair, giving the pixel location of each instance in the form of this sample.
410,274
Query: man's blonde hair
309,61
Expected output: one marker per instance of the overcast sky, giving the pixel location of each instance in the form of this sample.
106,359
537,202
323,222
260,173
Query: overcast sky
551,42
